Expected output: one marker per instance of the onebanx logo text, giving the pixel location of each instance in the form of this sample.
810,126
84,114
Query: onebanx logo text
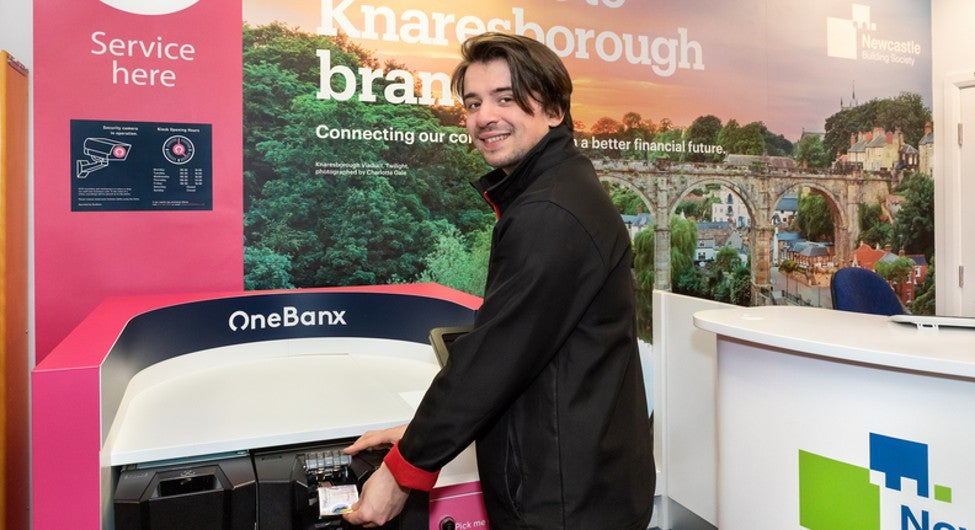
835,495
288,317
857,38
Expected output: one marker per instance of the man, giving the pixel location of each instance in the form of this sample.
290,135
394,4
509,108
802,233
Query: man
548,382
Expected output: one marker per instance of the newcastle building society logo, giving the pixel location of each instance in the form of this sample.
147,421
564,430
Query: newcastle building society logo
857,37
835,495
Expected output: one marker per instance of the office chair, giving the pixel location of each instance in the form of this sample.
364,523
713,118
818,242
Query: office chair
864,291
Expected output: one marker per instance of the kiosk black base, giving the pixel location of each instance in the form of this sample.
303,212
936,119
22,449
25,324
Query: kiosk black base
268,489
215,495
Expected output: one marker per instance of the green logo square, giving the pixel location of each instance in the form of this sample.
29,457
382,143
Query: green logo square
834,495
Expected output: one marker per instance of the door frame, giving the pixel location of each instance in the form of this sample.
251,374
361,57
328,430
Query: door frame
950,231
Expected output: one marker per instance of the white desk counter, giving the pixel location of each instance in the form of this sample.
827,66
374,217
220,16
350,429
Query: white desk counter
845,336
830,419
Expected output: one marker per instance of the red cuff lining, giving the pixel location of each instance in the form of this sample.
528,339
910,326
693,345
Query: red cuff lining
408,475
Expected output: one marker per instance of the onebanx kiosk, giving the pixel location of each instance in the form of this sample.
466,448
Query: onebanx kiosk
230,411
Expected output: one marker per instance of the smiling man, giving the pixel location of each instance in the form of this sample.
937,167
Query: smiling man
548,383
503,128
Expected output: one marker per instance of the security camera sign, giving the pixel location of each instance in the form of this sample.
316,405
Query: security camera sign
137,166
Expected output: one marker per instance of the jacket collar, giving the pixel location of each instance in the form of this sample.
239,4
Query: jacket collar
500,189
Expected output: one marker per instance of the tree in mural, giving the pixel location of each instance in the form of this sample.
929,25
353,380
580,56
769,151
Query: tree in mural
740,285
643,259
876,228
777,145
743,140
924,299
729,279
814,220
685,277
704,130
672,135
624,199
906,113
320,211
896,271
811,152
698,209
914,232
635,127
459,263
606,127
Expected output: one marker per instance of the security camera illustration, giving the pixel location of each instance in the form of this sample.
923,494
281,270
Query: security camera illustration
101,151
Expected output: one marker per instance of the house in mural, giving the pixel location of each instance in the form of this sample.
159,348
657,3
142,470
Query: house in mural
867,257
715,235
706,249
637,223
738,241
783,242
918,276
811,254
908,158
856,154
732,210
906,289
925,151
875,150
882,150
785,210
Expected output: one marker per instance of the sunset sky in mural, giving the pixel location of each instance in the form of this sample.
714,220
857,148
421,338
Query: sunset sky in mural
757,60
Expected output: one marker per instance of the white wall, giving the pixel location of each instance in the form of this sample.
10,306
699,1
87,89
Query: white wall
16,27
953,23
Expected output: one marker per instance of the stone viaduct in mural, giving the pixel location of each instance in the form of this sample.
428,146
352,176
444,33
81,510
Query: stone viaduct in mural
662,184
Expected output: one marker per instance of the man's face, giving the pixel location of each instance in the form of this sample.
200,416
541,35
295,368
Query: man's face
501,130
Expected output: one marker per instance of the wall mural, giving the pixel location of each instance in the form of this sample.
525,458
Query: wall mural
752,148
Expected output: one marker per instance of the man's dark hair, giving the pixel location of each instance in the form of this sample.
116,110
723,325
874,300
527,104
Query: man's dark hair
536,72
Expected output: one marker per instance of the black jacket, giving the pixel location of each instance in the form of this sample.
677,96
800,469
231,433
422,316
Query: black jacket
549,382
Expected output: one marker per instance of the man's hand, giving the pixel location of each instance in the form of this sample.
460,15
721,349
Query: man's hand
376,439
381,500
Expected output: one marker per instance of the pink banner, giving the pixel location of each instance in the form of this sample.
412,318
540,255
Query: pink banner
138,166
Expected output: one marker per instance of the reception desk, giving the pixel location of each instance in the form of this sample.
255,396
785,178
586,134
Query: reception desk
829,420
